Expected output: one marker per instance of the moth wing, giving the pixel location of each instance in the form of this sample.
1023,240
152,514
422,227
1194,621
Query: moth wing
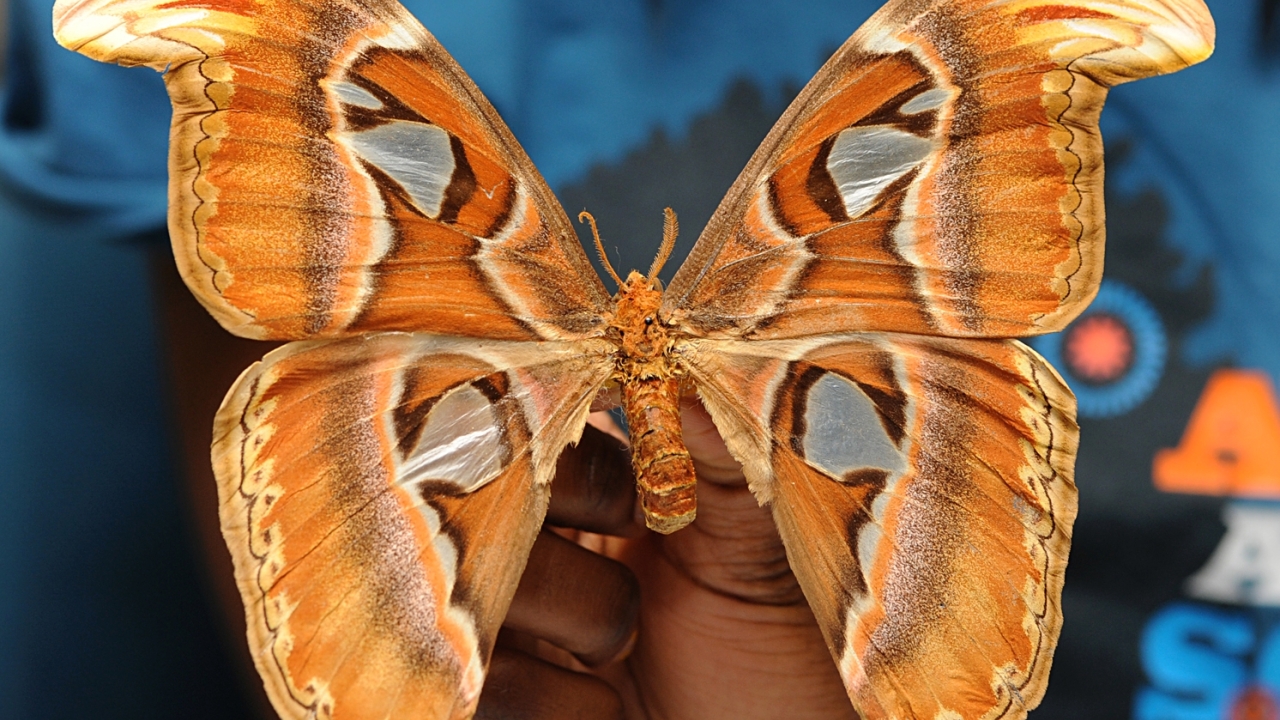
379,497
941,174
923,488
333,171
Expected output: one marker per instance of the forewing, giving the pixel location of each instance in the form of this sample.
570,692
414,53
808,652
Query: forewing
379,497
923,488
942,174
333,171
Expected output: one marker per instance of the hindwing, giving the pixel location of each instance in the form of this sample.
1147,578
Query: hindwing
379,496
923,488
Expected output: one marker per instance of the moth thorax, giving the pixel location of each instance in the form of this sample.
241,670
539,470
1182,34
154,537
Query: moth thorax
636,325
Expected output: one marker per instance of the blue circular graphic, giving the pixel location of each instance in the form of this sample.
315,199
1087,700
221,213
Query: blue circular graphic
1120,307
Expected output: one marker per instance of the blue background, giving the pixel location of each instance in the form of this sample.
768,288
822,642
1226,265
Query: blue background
102,602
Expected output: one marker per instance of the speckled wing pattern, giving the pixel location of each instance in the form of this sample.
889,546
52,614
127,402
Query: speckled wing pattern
380,496
935,190
338,181
333,171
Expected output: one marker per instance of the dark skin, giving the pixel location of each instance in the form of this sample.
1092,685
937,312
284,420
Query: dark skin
704,624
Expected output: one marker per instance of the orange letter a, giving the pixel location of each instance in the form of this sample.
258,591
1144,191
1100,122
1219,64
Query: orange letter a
1231,445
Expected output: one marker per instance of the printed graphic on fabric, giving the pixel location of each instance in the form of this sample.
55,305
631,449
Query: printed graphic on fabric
1133,546
690,174
1113,355
1217,656
1099,349
1232,444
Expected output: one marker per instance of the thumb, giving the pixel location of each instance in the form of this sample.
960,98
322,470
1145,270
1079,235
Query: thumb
706,446
733,546
725,631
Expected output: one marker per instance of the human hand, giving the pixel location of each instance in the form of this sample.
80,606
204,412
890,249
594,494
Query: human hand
723,629
574,608
714,619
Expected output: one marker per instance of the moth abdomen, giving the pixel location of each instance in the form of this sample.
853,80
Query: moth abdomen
664,470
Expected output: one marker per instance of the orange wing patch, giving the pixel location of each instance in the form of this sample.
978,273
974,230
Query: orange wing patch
327,183
924,491
379,497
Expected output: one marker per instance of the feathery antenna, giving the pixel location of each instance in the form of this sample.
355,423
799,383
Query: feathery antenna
670,229
587,217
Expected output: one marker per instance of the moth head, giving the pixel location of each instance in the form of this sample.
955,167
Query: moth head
636,326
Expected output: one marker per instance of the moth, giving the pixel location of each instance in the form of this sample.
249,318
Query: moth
847,318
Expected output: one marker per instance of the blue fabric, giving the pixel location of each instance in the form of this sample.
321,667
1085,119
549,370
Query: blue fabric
89,137
590,85
1209,141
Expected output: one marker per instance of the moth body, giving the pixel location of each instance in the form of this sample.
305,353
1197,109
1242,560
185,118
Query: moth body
650,379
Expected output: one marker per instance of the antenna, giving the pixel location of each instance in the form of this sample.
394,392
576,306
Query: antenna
670,229
587,217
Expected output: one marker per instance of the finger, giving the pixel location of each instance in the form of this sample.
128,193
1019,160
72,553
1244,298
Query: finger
576,600
733,547
521,687
594,488
711,456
